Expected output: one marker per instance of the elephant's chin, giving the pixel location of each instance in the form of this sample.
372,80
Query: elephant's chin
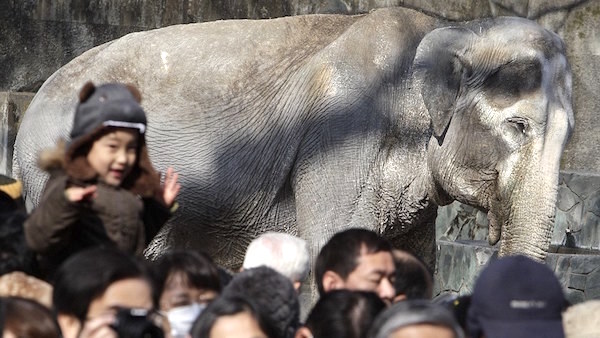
495,228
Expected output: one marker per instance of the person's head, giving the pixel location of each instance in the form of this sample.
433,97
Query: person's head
514,296
413,279
458,305
285,253
15,255
342,313
113,154
11,198
274,296
231,316
107,139
20,284
582,320
416,318
356,259
97,282
186,277
25,318
187,281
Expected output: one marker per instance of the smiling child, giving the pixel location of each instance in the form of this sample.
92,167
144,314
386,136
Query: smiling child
103,189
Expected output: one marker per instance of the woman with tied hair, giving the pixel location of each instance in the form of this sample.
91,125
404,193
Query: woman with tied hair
342,313
415,319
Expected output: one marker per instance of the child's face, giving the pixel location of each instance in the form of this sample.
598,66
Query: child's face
113,155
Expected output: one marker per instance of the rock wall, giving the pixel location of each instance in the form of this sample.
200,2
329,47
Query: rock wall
576,225
462,249
459,263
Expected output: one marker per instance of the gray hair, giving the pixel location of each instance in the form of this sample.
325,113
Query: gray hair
285,253
582,320
413,312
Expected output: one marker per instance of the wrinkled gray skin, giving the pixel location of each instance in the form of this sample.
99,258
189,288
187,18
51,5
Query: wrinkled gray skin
312,124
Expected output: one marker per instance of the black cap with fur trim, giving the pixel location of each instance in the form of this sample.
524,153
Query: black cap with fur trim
111,105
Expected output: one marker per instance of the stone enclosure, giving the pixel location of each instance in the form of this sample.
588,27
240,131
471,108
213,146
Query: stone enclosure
39,36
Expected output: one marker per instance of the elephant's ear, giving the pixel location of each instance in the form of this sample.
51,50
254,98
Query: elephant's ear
440,63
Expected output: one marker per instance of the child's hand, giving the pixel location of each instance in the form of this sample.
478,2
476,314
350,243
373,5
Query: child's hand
78,194
170,188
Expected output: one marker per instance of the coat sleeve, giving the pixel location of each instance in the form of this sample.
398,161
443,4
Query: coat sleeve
49,226
156,215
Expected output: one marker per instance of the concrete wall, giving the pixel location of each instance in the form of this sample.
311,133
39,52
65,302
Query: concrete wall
12,107
459,263
574,255
576,225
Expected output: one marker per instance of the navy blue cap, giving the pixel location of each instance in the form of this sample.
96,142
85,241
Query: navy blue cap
516,297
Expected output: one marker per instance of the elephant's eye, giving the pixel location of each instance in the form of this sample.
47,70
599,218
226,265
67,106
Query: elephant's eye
519,123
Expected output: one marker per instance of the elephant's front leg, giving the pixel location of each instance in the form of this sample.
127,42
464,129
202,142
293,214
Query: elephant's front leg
420,240
325,197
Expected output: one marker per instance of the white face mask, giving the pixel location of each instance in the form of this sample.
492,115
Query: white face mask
181,318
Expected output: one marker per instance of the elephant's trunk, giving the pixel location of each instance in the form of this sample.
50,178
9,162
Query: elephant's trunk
530,221
529,228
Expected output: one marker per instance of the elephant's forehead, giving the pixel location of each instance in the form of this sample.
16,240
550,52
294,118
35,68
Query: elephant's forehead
527,37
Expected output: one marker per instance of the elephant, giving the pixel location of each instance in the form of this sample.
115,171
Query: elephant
312,124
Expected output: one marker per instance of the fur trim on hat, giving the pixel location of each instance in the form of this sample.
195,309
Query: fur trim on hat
53,158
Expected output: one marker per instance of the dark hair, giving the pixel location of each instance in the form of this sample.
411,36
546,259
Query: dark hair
413,278
7,203
274,296
27,318
86,275
226,306
11,198
14,252
198,267
457,304
341,252
344,313
225,276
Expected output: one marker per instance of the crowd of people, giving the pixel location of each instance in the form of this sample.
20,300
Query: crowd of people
74,266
